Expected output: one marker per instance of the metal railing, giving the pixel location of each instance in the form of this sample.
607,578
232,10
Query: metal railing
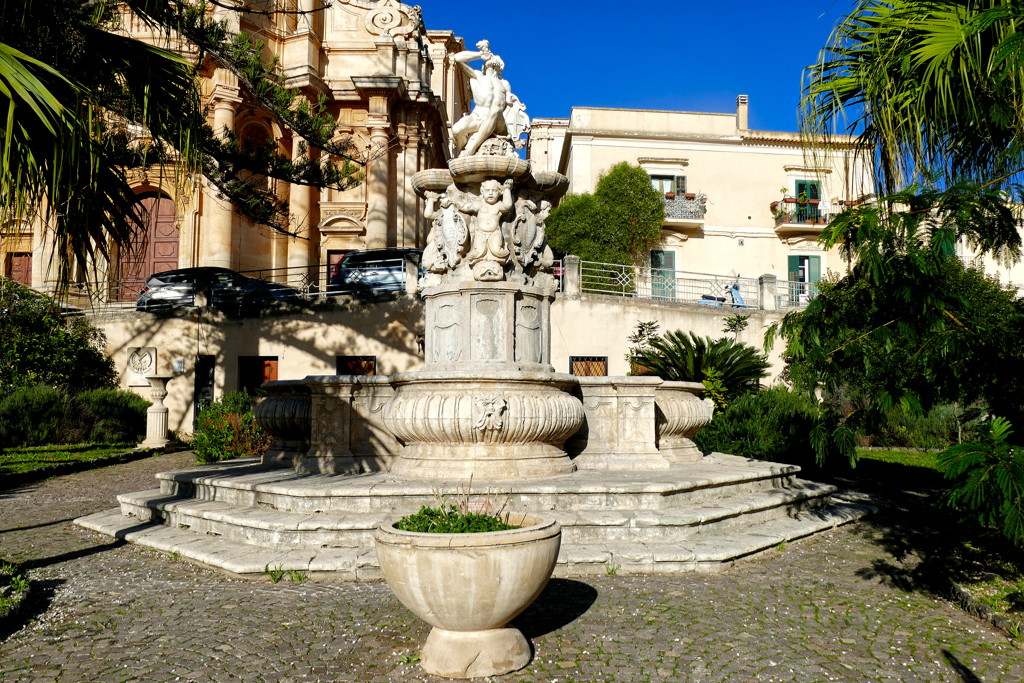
681,207
791,294
669,285
810,214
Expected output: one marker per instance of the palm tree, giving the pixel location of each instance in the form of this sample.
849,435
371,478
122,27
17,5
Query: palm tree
932,89
686,357
87,103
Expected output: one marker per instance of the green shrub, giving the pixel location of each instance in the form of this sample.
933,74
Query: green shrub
110,416
41,415
773,425
39,345
451,520
681,356
988,481
227,430
33,416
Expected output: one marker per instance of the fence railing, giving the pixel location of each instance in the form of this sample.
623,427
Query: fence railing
791,294
681,207
669,285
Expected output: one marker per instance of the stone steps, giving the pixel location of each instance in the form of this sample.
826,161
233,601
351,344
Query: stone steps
274,529
703,554
246,483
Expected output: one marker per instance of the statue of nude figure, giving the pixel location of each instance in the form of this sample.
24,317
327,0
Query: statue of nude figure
494,202
491,94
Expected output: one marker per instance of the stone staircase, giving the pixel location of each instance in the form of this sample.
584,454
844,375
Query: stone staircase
242,517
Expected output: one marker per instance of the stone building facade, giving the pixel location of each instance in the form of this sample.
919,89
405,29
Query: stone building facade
393,89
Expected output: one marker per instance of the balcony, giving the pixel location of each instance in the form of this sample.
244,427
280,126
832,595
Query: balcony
685,211
800,217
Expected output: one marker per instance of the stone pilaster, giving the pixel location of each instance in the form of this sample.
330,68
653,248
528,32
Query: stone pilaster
218,238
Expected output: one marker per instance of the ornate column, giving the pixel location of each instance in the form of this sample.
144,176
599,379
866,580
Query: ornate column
300,201
409,229
156,415
377,174
217,240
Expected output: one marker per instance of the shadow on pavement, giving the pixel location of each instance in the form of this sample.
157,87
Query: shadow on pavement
965,674
562,602
73,555
36,605
40,525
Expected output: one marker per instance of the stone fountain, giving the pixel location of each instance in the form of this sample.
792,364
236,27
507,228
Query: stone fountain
487,402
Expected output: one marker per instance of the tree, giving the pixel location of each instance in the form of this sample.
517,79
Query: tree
932,89
76,87
38,345
618,224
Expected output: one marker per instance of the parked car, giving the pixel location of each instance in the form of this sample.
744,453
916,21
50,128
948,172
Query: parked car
174,288
373,271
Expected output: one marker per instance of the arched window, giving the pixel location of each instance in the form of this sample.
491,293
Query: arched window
155,248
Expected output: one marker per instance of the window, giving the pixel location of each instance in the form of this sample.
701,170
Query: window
588,366
253,371
355,365
668,183
663,274
807,190
804,273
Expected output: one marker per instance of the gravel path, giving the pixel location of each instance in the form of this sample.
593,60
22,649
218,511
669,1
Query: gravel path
839,607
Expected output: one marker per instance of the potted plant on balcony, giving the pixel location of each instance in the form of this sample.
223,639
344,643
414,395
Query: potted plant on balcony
670,195
468,574
691,195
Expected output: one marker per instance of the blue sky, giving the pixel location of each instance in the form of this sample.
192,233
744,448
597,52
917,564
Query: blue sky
649,55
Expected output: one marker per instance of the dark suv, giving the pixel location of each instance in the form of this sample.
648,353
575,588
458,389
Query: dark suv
174,288
373,271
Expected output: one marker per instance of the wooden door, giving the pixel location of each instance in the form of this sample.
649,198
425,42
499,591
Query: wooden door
253,371
158,252
19,268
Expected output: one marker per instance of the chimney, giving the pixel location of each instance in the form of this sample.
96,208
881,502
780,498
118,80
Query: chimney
741,112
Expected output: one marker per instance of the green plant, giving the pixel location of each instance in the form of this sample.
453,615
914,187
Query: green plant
228,430
735,324
296,576
640,340
408,659
451,520
175,556
611,569
781,546
988,481
686,357
714,388
617,224
276,574
40,415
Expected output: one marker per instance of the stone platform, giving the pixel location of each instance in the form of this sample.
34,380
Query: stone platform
242,517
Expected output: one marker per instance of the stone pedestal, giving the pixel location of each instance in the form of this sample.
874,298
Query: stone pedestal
619,432
156,415
681,413
348,432
286,414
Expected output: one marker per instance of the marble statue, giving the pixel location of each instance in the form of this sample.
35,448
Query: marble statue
498,121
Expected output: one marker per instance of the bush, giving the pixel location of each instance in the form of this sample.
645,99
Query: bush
33,416
39,345
110,416
619,223
41,415
774,425
988,481
685,357
227,430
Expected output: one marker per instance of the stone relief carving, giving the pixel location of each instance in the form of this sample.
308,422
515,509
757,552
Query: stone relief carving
387,18
141,362
490,413
529,339
447,335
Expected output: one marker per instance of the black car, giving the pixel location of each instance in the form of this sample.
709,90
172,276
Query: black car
175,288
373,271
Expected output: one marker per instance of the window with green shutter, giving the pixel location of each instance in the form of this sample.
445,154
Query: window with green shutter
680,185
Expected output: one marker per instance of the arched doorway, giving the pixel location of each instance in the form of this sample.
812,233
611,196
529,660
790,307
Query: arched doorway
156,250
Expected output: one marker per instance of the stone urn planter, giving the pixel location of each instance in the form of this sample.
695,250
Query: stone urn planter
468,587
681,413
285,413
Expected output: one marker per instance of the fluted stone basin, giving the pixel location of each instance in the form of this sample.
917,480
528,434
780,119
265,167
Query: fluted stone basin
480,168
681,413
468,587
433,179
285,413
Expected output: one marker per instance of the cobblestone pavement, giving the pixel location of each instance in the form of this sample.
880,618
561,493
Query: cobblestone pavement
838,607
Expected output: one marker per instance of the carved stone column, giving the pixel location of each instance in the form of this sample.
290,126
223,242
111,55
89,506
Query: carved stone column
377,184
156,415
301,203
330,450
217,240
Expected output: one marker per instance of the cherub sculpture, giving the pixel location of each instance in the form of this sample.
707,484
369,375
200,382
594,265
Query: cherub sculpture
488,254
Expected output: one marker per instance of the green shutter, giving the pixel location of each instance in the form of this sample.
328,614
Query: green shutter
814,266
801,189
680,185
794,268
